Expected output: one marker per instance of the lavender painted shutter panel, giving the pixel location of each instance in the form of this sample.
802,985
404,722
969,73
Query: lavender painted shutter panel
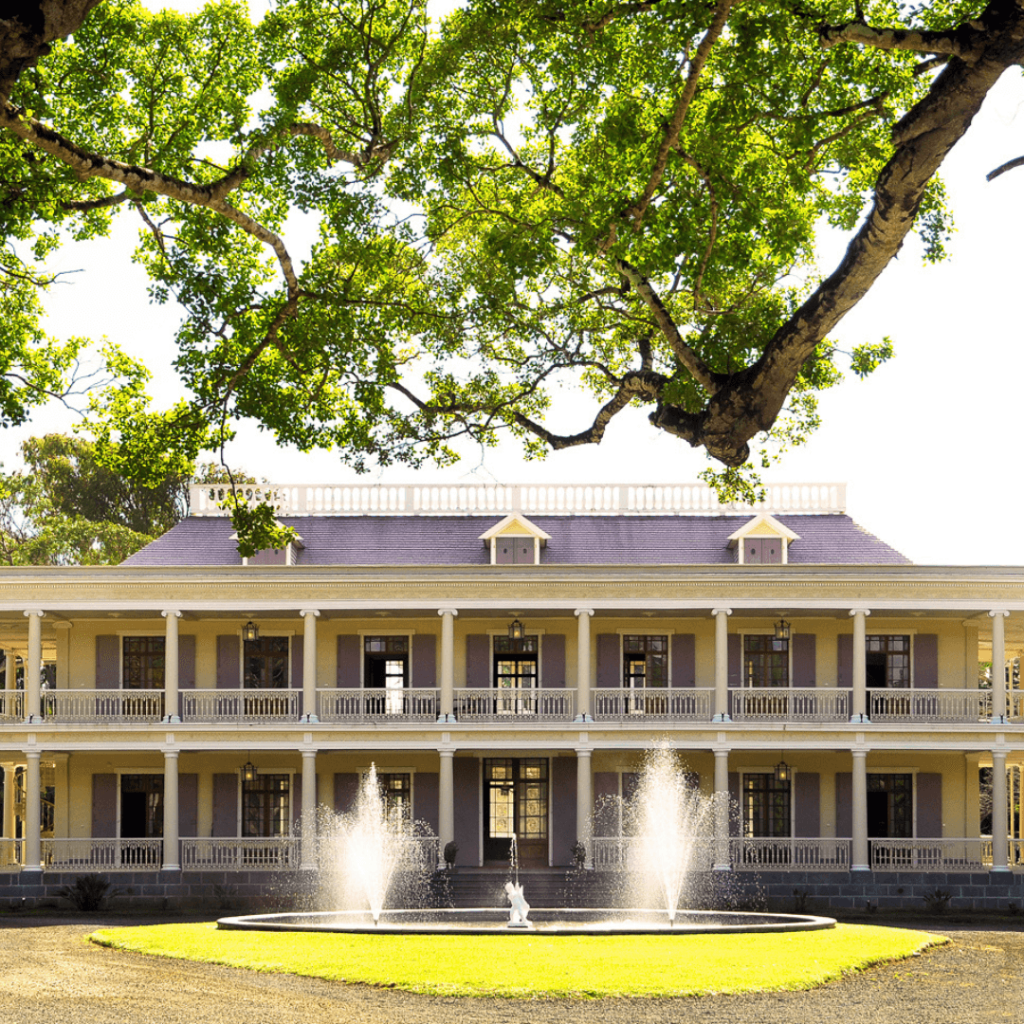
225,806
808,805
734,803
104,806
227,664
845,658
424,660
771,550
346,786
563,806
187,663
553,667
465,779
926,661
606,793
735,658
929,805
478,653
425,798
108,668
684,660
844,805
296,800
609,671
188,804
753,553
298,667
349,652
804,653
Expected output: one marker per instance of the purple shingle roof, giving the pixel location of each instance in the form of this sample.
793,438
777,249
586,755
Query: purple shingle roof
575,540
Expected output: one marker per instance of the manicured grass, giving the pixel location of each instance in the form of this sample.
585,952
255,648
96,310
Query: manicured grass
523,966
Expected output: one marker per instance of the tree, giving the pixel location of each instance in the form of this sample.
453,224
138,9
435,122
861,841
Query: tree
622,195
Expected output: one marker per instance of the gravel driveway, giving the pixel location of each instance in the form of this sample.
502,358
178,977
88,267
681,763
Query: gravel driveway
50,975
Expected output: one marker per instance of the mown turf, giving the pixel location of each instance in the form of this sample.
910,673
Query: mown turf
532,965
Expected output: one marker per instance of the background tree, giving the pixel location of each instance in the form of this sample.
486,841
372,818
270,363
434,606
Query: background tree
618,195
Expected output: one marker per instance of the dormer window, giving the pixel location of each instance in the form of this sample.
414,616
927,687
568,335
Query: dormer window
515,541
763,541
288,555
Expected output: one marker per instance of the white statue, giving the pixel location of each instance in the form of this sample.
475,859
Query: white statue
519,909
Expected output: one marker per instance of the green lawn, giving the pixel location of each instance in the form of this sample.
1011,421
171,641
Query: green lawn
522,965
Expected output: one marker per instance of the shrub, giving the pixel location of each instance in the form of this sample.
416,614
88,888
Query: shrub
937,902
451,849
88,893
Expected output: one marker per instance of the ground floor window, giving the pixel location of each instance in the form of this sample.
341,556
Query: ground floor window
766,806
396,792
265,805
142,806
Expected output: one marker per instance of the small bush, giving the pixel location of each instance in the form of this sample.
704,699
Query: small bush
88,893
451,850
937,902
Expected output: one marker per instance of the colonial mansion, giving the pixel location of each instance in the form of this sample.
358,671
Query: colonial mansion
505,656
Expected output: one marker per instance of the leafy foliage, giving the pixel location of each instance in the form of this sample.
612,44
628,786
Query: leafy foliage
88,893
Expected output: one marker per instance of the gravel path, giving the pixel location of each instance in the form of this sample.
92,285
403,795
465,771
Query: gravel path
50,975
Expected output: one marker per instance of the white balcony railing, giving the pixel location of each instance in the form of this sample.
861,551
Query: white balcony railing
750,854
504,704
791,704
351,705
1016,858
930,705
931,854
10,853
688,704
498,499
239,705
631,853
1016,702
12,706
279,853
103,705
102,854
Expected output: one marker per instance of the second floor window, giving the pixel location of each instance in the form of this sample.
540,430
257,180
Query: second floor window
142,662
644,661
266,663
888,662
765,661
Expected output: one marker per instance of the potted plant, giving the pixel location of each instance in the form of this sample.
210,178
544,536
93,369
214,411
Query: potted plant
451,849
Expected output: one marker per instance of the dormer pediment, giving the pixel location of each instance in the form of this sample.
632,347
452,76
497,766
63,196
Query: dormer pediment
763,540
275,556
515,541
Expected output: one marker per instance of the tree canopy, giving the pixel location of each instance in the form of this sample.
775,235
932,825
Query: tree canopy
615,196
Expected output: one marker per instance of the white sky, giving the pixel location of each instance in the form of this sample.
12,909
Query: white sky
930,445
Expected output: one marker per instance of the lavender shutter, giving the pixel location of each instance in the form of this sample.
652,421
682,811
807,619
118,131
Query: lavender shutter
844,805
228,667
296,800
553,661
563,806
807,812
350,651
804,655
346,788
734,804
424,660
225,806
684,660
606,803
752,550
845,659
188,804
929,805
108,663
466,783
734,646
187,663
771,550
298,665
926,661
425,798
478,656
609,668
104,806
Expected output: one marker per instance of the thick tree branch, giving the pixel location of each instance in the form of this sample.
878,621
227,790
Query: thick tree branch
670,138
965,42
1003,168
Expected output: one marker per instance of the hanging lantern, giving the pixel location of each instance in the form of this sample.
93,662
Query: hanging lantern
516,630
782,630
250,632
249,772
783,773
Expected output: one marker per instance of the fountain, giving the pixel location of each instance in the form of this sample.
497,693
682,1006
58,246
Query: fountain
666,825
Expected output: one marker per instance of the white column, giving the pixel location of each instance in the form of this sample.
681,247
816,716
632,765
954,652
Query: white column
309,696
171,817
998,667
445,802
584,801
308,808
33,666
860,670
446,710
859,854
722,860
171,715
33,809
1000,837
583,711
721,664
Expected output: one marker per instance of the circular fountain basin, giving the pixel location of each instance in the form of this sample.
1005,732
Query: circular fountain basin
547,922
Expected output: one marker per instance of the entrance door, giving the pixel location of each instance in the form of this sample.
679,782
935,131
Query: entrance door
142,817
890,815
516,802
